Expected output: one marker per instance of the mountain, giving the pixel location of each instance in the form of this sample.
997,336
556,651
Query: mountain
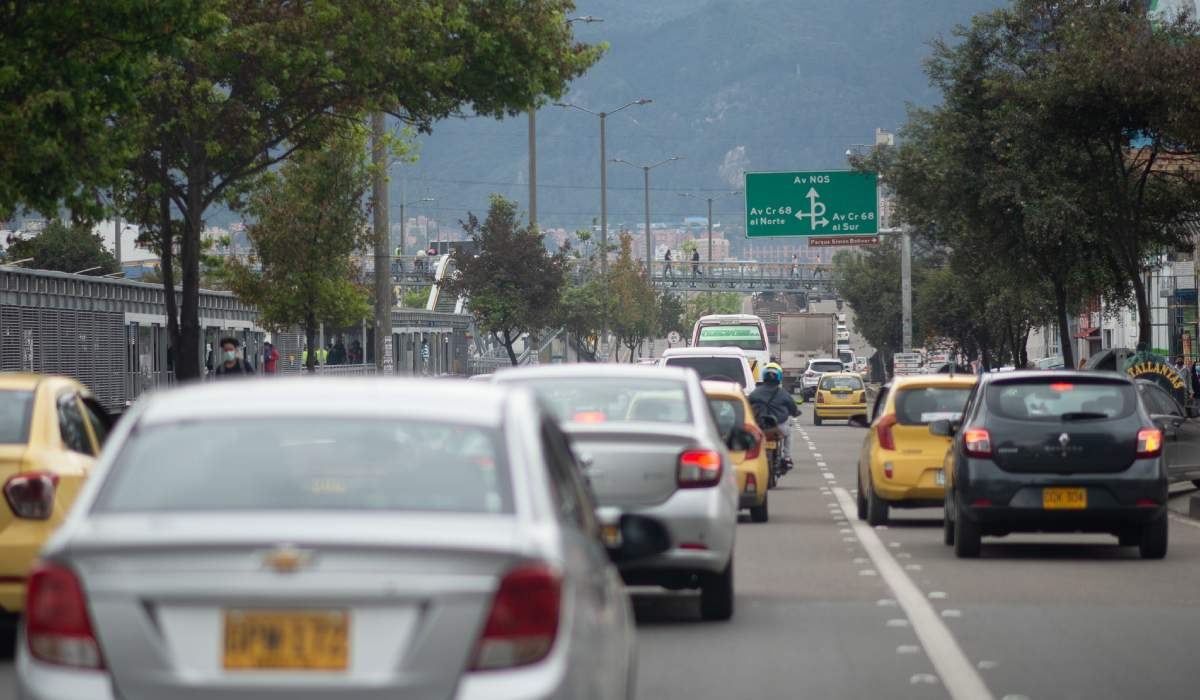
736,85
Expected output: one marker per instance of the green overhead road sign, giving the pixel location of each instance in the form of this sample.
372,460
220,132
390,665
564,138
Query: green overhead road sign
838,202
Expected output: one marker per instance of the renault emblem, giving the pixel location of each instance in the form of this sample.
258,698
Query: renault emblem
1063,441
287,559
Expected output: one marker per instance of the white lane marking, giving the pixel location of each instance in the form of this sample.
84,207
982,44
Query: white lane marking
897,622
903,555
907,649
822,464
893,545
959,676
986,665
937,595
818,455
923,679
951,613
886,603
868,572
912,567
828,475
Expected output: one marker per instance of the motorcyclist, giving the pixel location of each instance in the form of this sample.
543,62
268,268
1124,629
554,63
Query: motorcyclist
769,399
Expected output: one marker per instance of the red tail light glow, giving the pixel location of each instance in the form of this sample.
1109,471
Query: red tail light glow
751,483
1149,442
759,439
981,503
1147,503
977,442
523,622
57,625
31,494
699,469
589,417
883,429
1063,386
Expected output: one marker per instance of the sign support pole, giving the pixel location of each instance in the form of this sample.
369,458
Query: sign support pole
906,287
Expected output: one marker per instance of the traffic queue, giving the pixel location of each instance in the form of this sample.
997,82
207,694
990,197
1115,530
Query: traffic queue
442,538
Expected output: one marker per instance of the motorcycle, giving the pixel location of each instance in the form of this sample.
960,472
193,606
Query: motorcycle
775,462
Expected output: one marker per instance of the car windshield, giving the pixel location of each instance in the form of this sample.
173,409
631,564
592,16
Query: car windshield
728,369
310,463
830,383
1058,400
745,336
614,400
15,410
826,367
728,413
923,405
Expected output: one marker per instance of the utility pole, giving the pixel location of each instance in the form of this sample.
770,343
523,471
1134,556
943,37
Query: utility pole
646,179
906,287
533,216
384,360
117,240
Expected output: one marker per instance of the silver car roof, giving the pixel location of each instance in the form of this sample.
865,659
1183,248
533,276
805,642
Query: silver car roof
477,403
605,370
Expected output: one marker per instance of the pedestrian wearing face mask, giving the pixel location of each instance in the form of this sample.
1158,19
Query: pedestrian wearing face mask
231,365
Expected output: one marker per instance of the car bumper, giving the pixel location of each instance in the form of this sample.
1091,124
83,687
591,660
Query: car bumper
912,481
701,523
39,681
1017,499
839,410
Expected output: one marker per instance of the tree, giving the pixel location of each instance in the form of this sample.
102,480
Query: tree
513,283
635,308
869,281
581,313
709,303
414,298
68,70
66,249
277,77
672,310
310,220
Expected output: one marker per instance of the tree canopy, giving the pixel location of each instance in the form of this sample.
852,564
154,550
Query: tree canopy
66,249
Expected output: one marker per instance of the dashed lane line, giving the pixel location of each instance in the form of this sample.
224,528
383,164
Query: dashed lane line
960,678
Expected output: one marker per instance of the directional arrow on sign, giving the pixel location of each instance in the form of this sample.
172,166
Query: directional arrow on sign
816,210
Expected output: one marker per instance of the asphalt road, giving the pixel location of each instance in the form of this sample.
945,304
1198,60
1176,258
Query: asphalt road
829,608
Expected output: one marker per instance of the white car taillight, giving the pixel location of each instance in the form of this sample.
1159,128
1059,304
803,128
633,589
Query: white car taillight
523,621
31,494
57,625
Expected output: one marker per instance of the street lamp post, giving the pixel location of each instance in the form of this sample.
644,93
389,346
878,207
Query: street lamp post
710,201
604,196
646,180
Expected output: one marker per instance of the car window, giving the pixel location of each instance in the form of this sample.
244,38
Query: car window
16,410
70,424
1050,400
1158,401
880,402
325,463
745,336
728,413
614,400
567,486
853,383
846,356
826,367
923,405
721,368
98,421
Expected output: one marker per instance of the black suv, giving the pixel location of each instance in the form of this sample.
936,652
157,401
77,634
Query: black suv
1060,451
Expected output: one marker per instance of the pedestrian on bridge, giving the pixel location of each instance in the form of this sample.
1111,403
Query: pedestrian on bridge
695,262
667,260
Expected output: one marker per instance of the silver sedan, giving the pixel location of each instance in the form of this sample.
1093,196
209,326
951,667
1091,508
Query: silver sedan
317,538
650,446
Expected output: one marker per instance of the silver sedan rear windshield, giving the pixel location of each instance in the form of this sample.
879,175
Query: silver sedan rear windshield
1058,400
727,369
614,400
309,463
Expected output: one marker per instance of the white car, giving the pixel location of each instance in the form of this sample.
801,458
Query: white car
813,373
329,537
714,364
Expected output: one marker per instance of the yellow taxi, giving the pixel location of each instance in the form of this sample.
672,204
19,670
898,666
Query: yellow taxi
840,396
731,409
900,462
51,429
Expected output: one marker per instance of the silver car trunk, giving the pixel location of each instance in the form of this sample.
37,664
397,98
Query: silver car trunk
412,591
631,464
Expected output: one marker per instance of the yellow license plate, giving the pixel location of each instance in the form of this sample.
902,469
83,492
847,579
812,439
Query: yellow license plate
1064,499
771,445
309,640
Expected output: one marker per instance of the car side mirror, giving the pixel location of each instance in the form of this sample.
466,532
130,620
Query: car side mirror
740,440
628,536
943,428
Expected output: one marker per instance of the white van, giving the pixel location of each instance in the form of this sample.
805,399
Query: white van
743,331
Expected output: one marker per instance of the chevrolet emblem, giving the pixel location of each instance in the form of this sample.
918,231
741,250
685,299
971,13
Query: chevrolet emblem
287,559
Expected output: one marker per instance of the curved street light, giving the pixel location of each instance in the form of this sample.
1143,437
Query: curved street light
646,179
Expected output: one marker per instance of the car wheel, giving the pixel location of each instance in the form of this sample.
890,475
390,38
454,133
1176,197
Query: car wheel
968,539
816,418
877,508
772,480
716,594
1196,483
948,522
861,499
758,514
1153,542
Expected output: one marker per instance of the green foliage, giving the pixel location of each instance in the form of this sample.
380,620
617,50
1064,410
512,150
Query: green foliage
635,303
66,249
275,77
311,219
414,298
68,70
709,303
672,311
513,284
869,281
581,313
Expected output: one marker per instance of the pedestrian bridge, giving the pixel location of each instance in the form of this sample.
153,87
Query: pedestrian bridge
744,276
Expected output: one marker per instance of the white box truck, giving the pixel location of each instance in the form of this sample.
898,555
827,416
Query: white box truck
804,337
